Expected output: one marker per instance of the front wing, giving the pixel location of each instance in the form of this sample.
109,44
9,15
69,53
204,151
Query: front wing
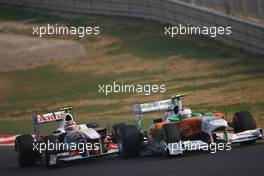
68,156
246,136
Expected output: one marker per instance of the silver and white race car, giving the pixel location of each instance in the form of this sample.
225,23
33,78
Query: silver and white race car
68,142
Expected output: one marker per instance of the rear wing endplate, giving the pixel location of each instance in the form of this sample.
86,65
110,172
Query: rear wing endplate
47,118
155,106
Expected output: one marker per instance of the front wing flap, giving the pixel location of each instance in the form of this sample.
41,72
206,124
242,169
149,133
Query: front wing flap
247,136
66,156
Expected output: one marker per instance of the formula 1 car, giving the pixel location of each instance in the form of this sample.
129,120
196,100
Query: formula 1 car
196,129
66,143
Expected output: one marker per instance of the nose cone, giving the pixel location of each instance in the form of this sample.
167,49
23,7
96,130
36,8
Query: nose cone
212,123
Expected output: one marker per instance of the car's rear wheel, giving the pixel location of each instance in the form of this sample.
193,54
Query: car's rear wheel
115,129
24,150
117,126
169,135
243,121
49,156
128,141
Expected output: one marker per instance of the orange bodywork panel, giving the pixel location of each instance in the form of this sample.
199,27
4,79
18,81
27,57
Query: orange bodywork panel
188,127
159,125
219,115
155,128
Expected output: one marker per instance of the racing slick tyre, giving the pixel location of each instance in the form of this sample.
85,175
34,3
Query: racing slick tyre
24,150
243,121
115,128
128,141
49,157
169,134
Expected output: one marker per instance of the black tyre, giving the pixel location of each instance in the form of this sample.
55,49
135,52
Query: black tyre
117,126
115,129
128,141
47,154
169,134
243,121
24,150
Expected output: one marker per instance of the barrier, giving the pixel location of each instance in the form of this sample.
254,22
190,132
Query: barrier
246,35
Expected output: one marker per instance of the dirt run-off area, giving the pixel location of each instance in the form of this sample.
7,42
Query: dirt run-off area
21,52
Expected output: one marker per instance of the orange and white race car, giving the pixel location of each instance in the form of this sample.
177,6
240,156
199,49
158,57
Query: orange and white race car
181,130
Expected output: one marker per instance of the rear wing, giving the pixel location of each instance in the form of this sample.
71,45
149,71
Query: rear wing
155,106
49,117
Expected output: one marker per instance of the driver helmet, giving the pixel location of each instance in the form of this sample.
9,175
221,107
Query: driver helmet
70,124
185,113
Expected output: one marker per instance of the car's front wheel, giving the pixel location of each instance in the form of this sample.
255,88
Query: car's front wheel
128,141
169,136
243,121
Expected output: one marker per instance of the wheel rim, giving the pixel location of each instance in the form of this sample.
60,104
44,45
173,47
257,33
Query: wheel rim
120,146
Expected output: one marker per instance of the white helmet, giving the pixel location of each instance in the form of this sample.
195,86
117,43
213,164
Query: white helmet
185,113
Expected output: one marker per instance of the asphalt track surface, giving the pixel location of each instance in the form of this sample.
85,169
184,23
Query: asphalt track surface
246,160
